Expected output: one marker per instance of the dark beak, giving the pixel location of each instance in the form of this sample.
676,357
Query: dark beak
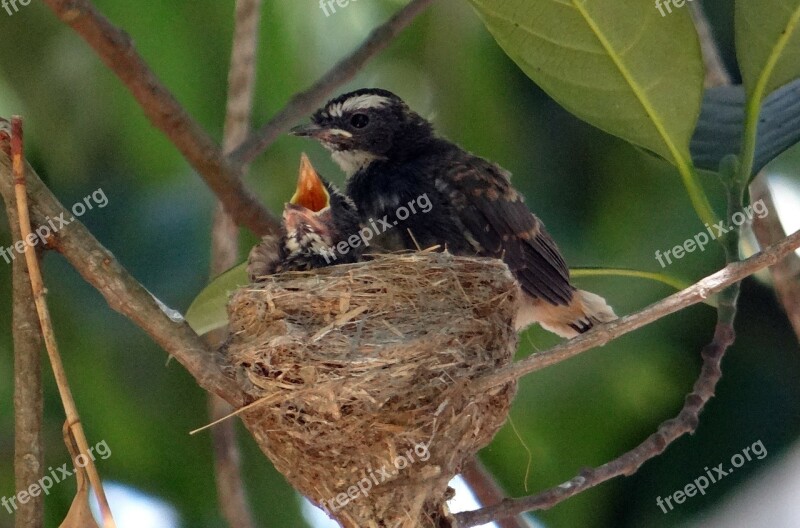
308,130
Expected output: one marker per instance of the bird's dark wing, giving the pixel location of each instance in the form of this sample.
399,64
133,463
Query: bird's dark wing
498,224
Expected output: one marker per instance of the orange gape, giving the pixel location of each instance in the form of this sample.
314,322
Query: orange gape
310,193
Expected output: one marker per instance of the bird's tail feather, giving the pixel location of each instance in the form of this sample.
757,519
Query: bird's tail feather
584,311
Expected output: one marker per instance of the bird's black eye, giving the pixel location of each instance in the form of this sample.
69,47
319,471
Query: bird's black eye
359,120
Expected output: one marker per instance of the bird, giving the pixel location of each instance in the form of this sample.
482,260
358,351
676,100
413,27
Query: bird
392,156
317,218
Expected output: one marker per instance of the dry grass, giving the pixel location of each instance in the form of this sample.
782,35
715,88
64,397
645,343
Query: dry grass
358,364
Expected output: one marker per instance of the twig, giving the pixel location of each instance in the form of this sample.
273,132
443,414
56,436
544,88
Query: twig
716,73
28,444
224,254
304,103
37,286
602,334
629,463
116,49
100,268
703,390
487,491
786,273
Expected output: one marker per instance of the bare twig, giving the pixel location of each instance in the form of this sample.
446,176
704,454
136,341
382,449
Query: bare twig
786,273
224,254
629,463
488,491
726,280
304,103
28,407
602,334
117,51
716,73
37,285
122,292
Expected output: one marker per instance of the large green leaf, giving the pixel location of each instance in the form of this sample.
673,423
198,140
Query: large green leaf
209,309
768,49
720,128
767,44
621,66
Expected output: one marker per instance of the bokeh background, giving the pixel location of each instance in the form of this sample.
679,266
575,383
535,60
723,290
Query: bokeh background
606,203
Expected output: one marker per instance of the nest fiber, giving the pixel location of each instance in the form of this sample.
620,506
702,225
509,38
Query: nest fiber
361,379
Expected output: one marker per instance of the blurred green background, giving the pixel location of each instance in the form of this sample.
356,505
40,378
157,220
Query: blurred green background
605,203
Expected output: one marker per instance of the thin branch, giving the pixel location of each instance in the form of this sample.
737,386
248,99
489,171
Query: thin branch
116,49
304,103
716,73
786,273
37,286
629,463
602,334
100,268
28,406
224,254
488,491
728,281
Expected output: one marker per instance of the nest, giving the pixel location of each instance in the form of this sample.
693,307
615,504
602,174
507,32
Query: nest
362,377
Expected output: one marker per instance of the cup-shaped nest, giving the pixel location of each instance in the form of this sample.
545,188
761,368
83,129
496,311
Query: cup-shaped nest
361,376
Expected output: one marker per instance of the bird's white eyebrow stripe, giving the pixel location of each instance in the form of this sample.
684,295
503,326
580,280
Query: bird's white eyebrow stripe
364,102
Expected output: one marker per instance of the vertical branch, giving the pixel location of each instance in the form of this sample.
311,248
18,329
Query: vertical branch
225,252
716,73
786,273
488,491
37,286
28,407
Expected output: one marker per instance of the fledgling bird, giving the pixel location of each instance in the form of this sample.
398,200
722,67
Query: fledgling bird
316,219
391,156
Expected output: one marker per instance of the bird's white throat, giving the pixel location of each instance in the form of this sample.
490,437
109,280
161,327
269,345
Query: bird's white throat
352,161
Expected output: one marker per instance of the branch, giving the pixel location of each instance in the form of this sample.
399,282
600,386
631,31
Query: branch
224,254
116,49
727,282
630,462
28,407
716,73
73,422
488,491
602,334
304,103
786,273
123,293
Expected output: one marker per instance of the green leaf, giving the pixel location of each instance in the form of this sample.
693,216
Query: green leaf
768,49
767,43
209,310
649,275
720,129
620,66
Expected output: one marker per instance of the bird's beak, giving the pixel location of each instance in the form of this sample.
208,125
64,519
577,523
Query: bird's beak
307,130
310,192
331,136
